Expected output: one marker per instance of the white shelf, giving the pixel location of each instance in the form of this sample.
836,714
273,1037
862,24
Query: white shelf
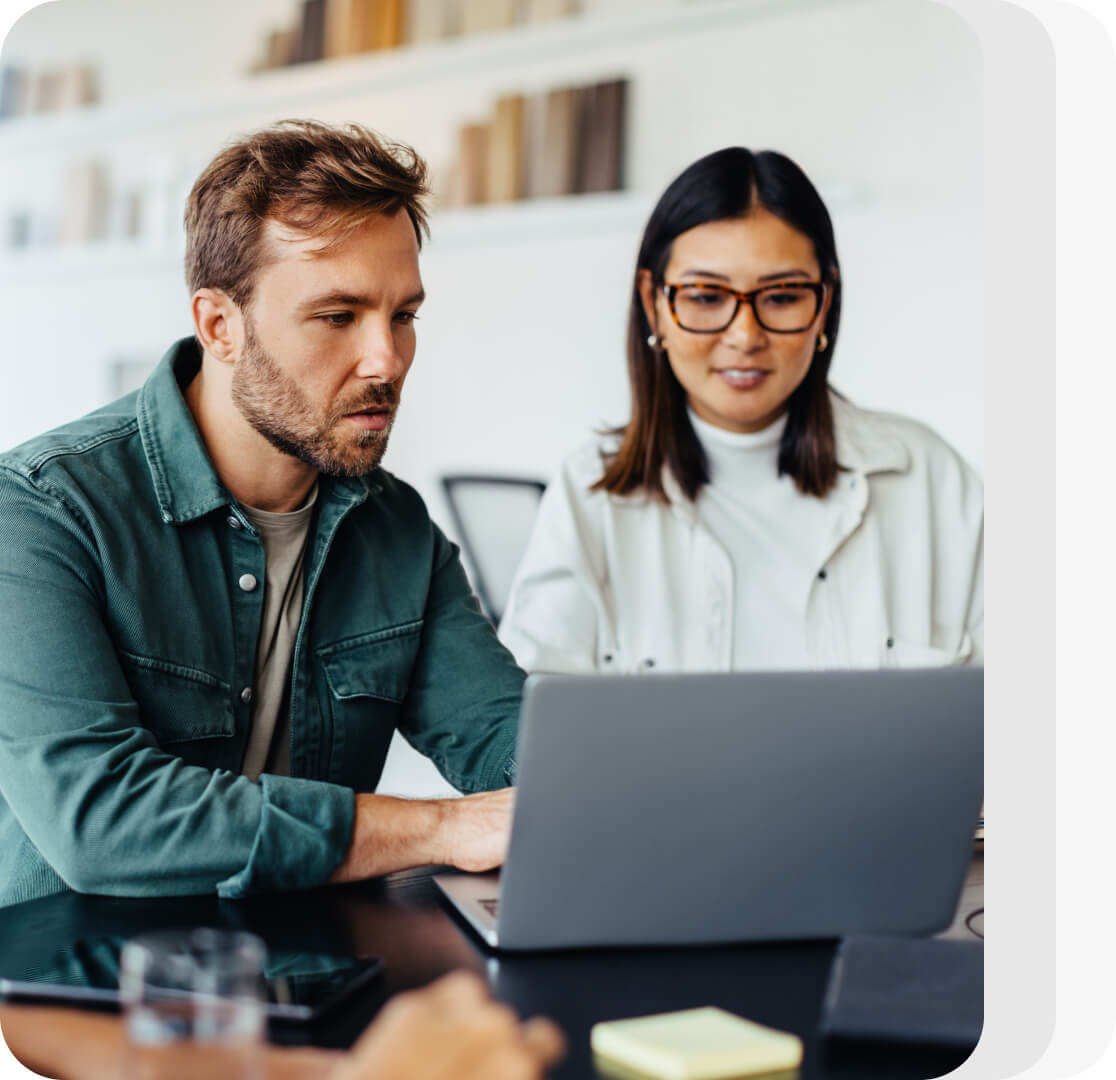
105,259
396,71
539,220
527,221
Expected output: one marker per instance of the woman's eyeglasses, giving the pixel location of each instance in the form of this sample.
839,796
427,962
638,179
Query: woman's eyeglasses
787,308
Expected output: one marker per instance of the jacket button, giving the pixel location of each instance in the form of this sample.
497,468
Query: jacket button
649,663
246,695
891,643
247,582
607,658
233,522
822,574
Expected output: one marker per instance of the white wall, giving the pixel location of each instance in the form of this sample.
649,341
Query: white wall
520,345
147,46
878,100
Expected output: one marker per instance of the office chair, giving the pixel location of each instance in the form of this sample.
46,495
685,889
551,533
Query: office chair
493,516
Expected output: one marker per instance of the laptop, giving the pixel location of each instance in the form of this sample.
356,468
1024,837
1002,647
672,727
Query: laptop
705,808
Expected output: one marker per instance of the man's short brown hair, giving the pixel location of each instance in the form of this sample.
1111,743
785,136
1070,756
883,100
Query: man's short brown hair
321,180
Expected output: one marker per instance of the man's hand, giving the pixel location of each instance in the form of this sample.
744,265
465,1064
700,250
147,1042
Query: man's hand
392,834
477,828
452,1030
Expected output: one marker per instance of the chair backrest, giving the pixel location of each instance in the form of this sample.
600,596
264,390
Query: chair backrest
493,516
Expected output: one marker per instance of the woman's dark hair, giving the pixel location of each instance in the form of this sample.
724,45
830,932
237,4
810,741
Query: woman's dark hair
726,184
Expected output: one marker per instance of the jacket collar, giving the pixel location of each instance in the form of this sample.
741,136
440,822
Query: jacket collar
864,445
186,484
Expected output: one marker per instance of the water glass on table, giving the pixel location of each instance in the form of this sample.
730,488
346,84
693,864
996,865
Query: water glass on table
194,1005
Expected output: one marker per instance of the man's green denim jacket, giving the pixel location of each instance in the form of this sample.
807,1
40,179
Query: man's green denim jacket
127,654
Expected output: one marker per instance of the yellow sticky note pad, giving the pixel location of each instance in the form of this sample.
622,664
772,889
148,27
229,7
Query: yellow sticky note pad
695,1044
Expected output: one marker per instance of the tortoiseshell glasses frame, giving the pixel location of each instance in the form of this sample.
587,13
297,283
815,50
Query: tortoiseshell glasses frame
815,288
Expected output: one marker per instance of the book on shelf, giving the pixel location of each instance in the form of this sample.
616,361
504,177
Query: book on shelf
18,233
311,31
23,91
430,20
334,28
544,10
469,183
505,179
280,49
78,85
348,27
85,203
484,16
358,26
15,91
553,135
47,91
603,111
390,17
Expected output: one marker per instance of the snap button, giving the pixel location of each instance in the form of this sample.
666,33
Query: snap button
246,695
233,522
247,582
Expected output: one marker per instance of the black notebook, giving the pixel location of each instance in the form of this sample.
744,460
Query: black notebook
906,990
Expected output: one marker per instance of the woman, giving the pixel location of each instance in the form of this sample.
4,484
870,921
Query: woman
749,517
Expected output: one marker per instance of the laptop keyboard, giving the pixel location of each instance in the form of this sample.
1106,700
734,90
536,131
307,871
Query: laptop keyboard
491,906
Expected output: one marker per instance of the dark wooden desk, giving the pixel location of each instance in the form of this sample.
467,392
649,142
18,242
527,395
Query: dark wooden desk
404,920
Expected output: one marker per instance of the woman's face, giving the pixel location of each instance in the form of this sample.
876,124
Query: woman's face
739,378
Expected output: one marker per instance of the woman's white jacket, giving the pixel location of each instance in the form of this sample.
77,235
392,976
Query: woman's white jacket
629,584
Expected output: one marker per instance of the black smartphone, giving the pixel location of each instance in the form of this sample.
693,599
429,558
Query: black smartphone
292,996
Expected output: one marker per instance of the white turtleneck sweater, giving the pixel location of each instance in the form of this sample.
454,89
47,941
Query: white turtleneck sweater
776,540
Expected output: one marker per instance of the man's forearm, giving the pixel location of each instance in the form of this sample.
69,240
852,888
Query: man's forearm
392,834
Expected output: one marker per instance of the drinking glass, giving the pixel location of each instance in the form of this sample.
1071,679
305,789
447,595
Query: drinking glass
194,1005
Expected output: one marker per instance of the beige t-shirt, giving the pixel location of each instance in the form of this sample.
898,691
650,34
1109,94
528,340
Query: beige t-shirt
284,539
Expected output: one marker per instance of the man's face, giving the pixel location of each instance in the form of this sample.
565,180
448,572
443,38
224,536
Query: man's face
328,340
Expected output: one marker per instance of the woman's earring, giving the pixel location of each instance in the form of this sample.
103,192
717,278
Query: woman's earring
823,342
655,341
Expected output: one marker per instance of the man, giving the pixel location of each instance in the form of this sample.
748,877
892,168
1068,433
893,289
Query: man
215,607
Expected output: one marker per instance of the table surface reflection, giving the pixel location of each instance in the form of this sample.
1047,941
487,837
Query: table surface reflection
404,920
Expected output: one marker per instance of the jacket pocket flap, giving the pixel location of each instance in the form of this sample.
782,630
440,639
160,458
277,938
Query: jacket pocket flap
178,703
373,665
906,654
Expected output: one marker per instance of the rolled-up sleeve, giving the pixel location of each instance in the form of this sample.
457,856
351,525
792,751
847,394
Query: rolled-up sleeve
303,835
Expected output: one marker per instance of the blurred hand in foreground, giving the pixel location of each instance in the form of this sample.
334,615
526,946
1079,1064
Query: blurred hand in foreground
452,1030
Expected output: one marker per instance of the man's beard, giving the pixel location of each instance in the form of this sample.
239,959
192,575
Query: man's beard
277,407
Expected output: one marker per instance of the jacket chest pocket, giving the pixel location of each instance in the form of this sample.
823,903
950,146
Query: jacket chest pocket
368,678
189,711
